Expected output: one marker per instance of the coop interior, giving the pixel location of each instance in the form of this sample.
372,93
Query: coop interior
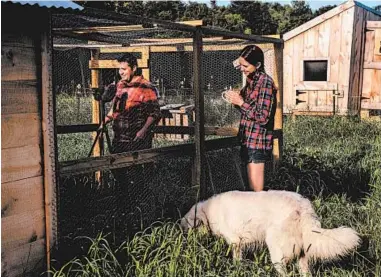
159,183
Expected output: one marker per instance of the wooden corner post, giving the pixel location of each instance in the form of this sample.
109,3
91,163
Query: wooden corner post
199,159
96,115
278,124
49,139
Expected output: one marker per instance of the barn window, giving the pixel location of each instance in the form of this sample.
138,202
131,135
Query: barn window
315,70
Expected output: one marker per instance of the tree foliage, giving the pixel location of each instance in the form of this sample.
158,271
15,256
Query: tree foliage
255,17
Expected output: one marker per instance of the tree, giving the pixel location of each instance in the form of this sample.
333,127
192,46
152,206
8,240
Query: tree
323,9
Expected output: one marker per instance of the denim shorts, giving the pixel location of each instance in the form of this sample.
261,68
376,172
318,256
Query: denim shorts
249,155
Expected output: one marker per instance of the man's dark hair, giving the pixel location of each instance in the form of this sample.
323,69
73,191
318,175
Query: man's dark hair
128,58
253,54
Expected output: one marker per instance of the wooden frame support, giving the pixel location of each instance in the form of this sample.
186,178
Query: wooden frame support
278,125
199,160
49,140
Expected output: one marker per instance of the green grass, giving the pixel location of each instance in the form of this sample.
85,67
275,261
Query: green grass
335,162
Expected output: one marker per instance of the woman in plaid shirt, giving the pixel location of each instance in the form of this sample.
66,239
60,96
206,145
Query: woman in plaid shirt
256,102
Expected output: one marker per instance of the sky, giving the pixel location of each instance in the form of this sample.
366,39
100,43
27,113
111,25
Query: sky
315,4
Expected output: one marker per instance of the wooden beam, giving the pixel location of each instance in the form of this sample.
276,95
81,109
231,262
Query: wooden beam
199,160
112,161
108,29
319,19
253,38
192,22
316,86
182,130
49,138
278,124
102,64
373,24
128,18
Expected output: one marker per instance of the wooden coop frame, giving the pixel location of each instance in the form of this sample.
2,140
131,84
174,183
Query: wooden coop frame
43,105
200,146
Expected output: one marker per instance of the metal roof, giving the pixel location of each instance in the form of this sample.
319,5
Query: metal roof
50,4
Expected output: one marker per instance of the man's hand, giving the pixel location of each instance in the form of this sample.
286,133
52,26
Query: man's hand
141,134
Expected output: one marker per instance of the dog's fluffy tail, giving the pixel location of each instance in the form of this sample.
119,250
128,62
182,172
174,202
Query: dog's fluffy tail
325,244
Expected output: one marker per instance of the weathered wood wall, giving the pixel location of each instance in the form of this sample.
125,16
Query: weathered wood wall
331,39
368,79
371,81
22,184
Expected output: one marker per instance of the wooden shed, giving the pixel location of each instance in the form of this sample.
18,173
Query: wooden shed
333,62
28,159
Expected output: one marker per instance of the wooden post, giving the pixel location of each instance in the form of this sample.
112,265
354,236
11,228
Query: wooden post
49,138
96,109
95,104
278,125
199,160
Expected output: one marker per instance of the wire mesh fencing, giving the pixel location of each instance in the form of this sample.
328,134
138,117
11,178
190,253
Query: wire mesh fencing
127,192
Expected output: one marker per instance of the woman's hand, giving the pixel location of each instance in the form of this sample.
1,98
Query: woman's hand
234,97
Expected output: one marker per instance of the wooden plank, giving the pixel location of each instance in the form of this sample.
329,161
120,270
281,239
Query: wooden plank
23,260
373,65
140,157
253,38
347,18
23,228
18,63
334,49
366,87
17,39
278,124
22,196
26,126
20,163
356,62
377,41
323,40
316,86
49,139
19,97
297,57
373,24
310,43
319,19
199,160
375,93
103,64
288,91
369,46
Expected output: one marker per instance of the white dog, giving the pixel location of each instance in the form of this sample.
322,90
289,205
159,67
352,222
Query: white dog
284,220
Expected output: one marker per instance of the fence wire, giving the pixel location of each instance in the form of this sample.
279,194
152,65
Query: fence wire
122,201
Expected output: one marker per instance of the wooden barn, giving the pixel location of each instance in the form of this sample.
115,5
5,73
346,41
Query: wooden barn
28,158
333,62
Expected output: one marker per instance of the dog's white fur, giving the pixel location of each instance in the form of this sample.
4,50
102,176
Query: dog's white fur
284,220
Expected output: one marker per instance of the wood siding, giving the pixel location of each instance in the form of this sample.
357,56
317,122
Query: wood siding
362,54
22,193
371,79
329,40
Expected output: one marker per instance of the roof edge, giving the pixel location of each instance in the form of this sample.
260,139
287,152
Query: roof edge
317,20
369,9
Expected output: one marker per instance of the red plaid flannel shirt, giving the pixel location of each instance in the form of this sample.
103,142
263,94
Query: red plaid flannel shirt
257,113
133,103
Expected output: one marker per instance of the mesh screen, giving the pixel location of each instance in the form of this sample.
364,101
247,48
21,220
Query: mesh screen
122,201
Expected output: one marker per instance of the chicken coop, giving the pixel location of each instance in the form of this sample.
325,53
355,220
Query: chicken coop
333,63
54,64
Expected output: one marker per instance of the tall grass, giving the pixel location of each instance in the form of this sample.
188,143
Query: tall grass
335,162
